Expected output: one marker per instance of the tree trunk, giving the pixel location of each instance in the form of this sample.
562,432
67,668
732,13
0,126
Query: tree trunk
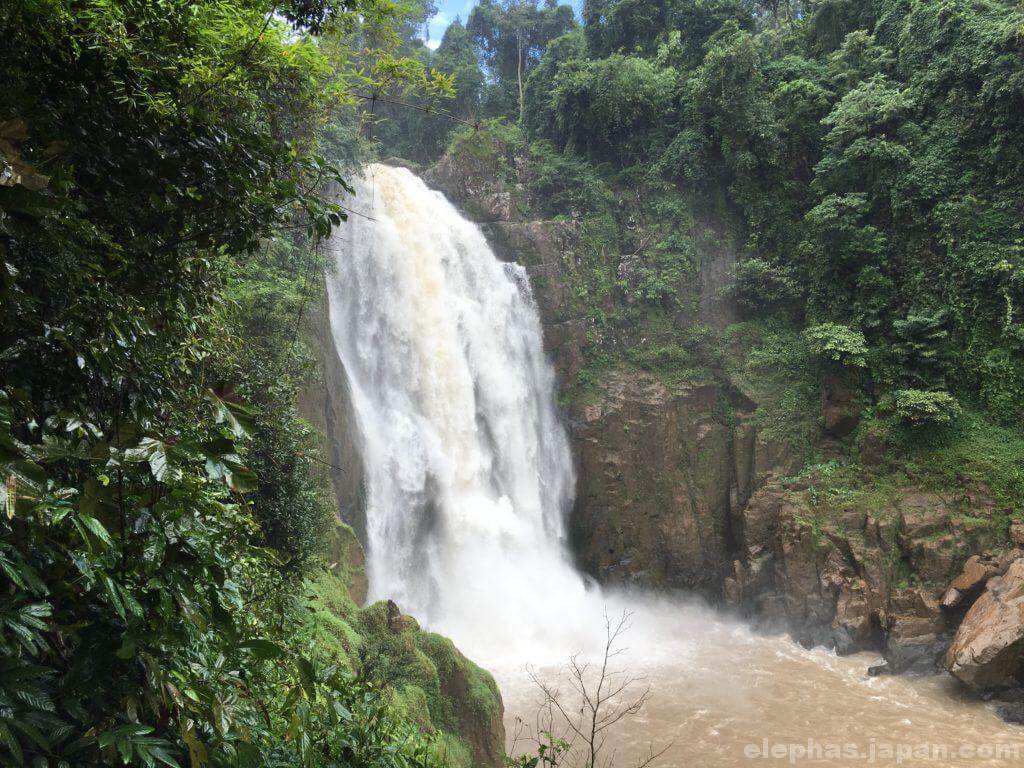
519,74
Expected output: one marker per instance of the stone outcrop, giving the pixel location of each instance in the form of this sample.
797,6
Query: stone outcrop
987,652
476,185
837,576
653,491
840,407
546,249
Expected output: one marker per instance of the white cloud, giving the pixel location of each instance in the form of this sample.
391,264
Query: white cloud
435,30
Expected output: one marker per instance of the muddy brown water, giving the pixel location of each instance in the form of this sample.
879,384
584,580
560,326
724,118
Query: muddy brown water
724,696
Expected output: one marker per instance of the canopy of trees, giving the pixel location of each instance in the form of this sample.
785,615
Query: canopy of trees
162,169
871,151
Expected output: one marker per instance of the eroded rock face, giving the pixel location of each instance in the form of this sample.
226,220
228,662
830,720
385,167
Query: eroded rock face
325,402
652,502
988,650
474,184
840,407
833,577
547,250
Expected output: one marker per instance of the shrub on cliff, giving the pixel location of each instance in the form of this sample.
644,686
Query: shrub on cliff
837,344
917,408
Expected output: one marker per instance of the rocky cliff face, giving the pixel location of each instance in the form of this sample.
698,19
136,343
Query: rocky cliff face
857,578
657,475
654,479
324,401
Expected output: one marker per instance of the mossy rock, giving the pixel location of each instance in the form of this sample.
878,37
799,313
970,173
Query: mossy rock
433,684
347,561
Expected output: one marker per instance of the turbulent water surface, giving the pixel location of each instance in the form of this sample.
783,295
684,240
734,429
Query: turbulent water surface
469,478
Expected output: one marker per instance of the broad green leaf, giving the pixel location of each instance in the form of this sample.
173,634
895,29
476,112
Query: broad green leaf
95,527
262,649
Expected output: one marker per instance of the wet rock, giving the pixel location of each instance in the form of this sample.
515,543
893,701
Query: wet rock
829,576
872,448
760,519
921,654
966,587
744,439
852,628
1011,712
915,630
932,536
399,622
547,250
325,401
475,184
840,407
654,471
717,305
1008,704
988,649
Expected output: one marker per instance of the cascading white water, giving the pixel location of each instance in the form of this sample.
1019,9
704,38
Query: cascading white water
469,477
468,470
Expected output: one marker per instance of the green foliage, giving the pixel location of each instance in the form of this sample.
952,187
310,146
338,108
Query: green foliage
511,36
159,512
1002,387
564,185
870,150
972,448
917,408
492,146
600,107
773,365
266,298
837,344
761,285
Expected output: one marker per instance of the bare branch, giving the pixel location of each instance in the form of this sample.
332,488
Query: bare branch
601,698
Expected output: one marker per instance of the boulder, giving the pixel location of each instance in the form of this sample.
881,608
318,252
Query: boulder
852,628
988,649
474,183
966,587
915,630
872,448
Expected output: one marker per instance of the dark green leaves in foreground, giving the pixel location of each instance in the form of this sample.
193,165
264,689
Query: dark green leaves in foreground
149,554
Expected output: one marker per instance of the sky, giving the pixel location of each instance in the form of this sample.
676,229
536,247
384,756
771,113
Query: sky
449,10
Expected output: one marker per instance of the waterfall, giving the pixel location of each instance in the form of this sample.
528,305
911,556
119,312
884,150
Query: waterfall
468,472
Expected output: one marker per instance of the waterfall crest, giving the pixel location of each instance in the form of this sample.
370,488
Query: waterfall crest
468,471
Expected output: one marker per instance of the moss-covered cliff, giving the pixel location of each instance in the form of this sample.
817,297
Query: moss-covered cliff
431,682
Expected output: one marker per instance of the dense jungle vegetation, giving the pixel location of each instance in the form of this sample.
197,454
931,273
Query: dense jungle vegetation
863,158
163,540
